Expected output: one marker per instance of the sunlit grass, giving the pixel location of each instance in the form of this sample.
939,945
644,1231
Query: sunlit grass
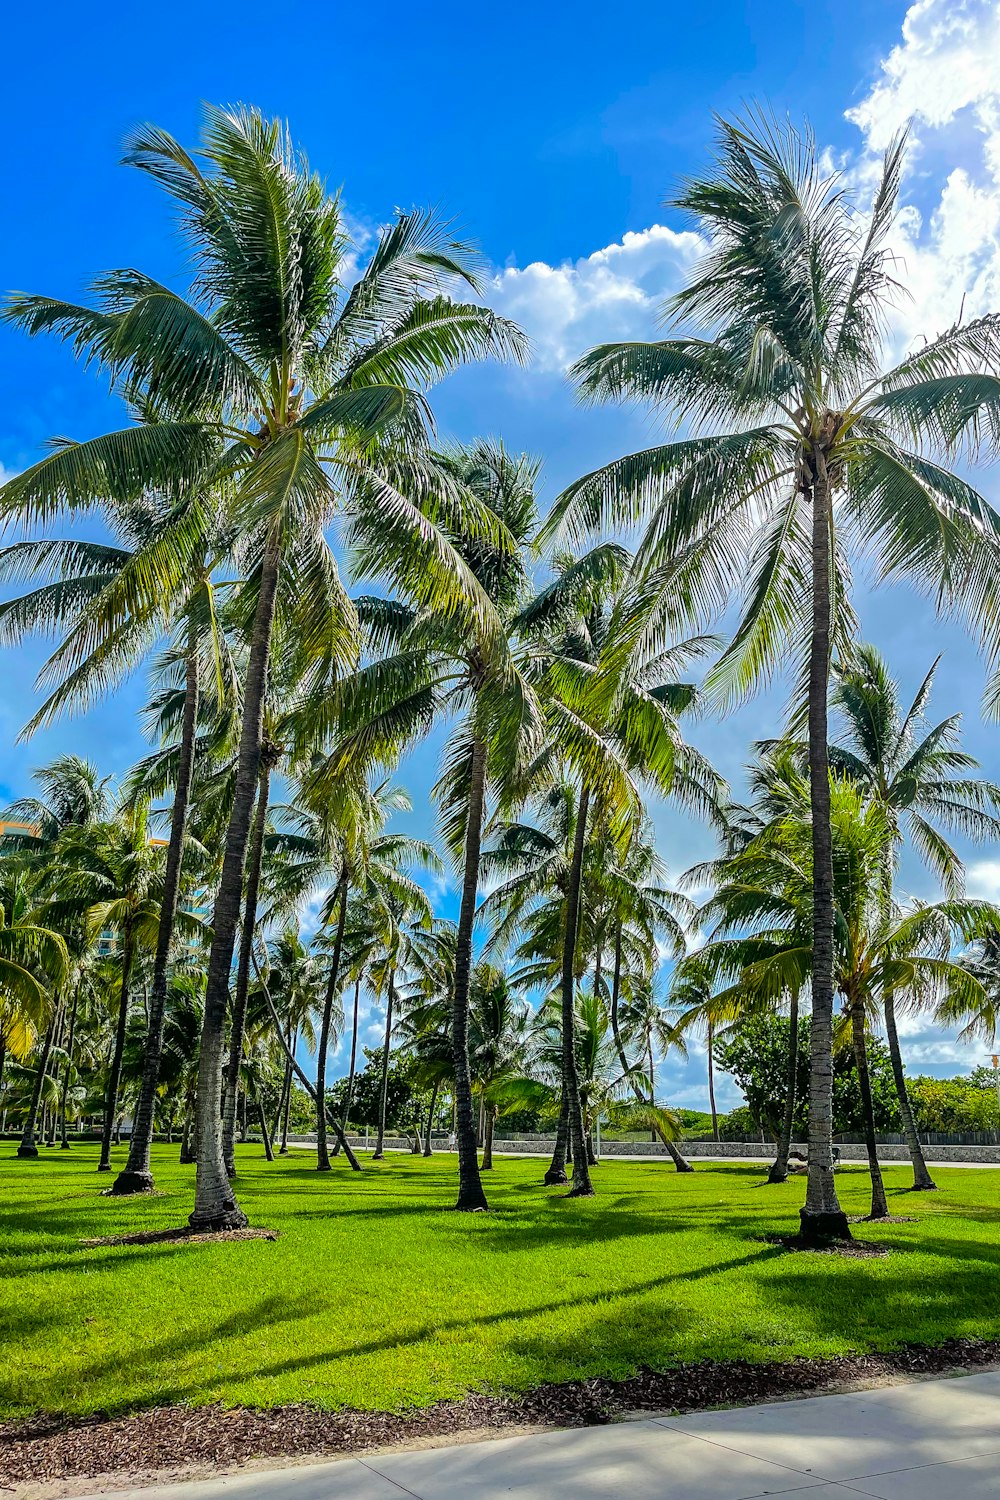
376,1295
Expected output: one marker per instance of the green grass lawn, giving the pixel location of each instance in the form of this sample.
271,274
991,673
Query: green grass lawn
376,1296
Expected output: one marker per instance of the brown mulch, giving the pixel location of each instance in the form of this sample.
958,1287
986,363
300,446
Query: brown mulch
883,1219
850,1249
168,1236
53,1447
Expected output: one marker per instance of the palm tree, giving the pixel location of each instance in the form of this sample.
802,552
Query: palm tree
438,664
299,401
34,964
613,703
113,873
919,776
499,1039
801,442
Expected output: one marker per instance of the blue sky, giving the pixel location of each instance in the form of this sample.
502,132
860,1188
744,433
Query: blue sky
554,146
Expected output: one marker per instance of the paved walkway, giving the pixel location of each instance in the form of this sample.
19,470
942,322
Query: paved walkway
933,1440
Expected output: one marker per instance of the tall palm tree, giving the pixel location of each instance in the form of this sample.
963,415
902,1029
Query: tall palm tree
34,964
299,401
474,677
919,776
802,443
613,704
113,873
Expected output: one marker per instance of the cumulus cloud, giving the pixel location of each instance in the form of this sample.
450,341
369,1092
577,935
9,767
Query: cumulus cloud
944,80
982,879
614,293
948,61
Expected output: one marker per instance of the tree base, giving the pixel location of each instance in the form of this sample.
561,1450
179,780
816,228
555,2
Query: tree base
472,1204
582,1191
555,1177
104,1166
924,1187
378,1156
27,1153
229,1216
821,1228
127,1183
777,1174
64,1145
323,1166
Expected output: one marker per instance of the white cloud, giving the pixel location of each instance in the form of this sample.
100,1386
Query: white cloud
614,293
947,61
943,78
982,879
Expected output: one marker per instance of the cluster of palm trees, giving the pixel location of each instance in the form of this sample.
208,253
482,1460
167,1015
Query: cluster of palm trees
280,426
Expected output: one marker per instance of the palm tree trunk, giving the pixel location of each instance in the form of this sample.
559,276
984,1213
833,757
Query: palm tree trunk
582,1186
114,1077
237,1033
187,1153
322,1153
488,1139
471,1196
680,1162
779,1167
923,1182
880,1208
711,1081
215,1204
64,1102
137,1176
556,1174
379,1153
349,1092
822,1217
264,1129
300,1073
28,1148
286,1100
430,1120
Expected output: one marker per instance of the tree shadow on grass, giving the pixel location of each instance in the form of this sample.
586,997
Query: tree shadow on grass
431,1330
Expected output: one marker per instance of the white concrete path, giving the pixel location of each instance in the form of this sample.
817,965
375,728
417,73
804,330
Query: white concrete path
930,1440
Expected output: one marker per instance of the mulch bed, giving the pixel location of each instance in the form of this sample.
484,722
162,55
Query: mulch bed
52,1447
169,1236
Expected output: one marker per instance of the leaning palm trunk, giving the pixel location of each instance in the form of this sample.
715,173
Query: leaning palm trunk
556,1174
67,1069
300,1073
880,1208
822,1217
680,1162
322,1152
488,1139
115,1073
255,857
582,1186
137,1176
923,1182
286,1093
349,1091
779,1167
28,1147
215,1204
471,1196
710,1043
430,1120
265,1129
379,1153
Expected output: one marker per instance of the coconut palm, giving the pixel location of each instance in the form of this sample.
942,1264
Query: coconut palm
613,703
112,873
920,776
802,444
34,965
438,665
294,399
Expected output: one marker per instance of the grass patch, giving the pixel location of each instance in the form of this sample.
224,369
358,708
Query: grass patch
375,1296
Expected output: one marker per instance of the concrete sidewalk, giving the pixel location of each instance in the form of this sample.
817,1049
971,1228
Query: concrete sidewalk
920,1441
